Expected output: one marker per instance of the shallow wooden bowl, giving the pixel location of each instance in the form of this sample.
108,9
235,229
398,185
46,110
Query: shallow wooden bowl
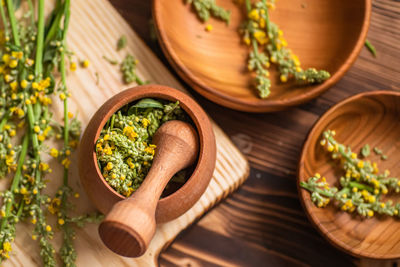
175,204
324,34
369,118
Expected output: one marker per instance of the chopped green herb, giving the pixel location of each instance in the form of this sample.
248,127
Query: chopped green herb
124,149
365,151
111,61
377,151
206,8
370,47
121,44
128,69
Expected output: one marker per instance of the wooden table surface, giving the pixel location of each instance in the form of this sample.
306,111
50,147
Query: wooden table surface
263,223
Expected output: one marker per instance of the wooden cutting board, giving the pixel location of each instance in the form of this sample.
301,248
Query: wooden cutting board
94,30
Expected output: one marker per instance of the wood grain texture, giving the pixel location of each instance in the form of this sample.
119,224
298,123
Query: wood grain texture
94,30
324,34
263,222
368,118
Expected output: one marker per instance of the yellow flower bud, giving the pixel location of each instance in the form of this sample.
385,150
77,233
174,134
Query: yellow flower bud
85,63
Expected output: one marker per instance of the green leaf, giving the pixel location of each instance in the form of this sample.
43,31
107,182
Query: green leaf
121,42
365,151
111,61
148,103
145,103
377,151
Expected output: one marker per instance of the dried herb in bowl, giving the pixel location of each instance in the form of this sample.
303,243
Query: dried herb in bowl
267,45
124,148
362,186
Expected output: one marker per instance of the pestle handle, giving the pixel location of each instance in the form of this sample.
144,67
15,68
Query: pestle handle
129,227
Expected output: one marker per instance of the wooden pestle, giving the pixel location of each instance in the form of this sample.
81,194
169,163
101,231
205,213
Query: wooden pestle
130,225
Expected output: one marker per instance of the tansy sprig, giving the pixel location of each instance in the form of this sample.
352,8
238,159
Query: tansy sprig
19,66
362,187
128,69
25,86
207,8
265,36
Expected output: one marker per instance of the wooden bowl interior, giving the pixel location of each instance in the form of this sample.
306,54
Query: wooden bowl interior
324,34
369,118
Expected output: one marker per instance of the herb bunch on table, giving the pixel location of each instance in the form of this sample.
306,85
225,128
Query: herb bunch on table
33,54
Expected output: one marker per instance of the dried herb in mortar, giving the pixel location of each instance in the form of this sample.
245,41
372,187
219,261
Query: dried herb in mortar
124,149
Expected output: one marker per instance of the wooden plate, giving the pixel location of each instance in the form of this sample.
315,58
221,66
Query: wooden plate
369,118
324,34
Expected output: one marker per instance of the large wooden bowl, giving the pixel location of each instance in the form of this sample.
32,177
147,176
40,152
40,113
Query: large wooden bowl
175,204
324,34
369,118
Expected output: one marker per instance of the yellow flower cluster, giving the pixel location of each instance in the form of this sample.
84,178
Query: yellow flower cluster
104,147
150,149
42,85
130,132
6,249
54,205
348,206
66,162
145,122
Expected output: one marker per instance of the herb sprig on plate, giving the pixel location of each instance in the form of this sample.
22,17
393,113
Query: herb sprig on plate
362,187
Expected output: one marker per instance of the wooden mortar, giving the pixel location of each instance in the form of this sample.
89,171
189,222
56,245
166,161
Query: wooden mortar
168,208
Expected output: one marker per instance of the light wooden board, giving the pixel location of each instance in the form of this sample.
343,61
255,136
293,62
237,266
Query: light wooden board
95,27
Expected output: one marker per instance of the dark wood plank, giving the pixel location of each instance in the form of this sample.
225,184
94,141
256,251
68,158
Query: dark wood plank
263,224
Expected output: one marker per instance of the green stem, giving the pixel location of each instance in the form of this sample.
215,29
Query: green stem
112,121
13,22
361,186
139,81
64,81
31,121
20,209
318,190
255,47
16,179
268,24
39,41
3,17
31,117
32,10
248,6
4,120
53,28
370,47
